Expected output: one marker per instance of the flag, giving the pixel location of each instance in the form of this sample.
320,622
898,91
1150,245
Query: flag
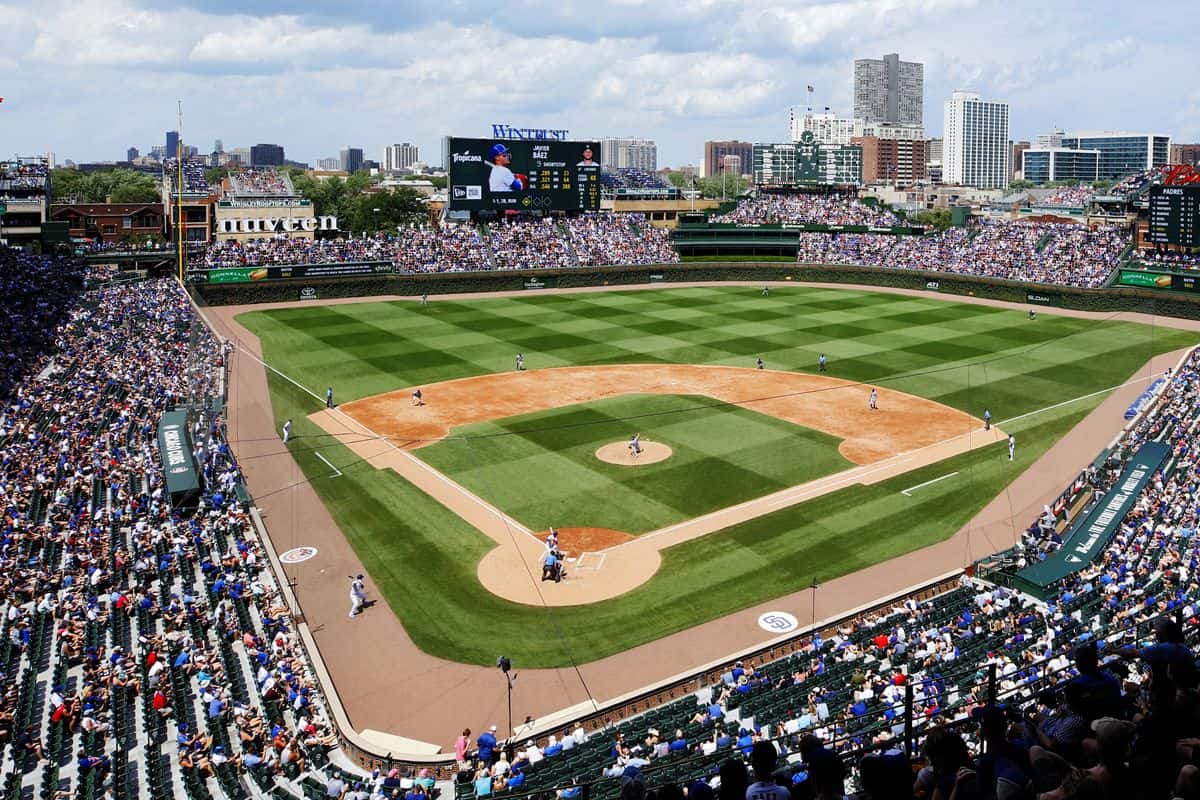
811,89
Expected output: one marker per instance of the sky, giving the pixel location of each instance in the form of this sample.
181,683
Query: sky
88,80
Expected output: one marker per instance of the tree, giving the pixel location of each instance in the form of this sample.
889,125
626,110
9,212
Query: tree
936,218
214,175
380,211
121,185
712,186
1021,184
680,180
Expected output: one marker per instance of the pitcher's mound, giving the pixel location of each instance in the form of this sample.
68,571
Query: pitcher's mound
618,453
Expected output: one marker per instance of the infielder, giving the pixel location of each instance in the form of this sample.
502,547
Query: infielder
329,397
821,363
358,595
987,419
416,398
873,400
287,431
760,362
1012,447
503,179
520,362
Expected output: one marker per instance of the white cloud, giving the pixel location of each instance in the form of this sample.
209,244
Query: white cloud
678,72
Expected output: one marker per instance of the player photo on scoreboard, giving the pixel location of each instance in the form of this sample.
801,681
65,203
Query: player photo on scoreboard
523,175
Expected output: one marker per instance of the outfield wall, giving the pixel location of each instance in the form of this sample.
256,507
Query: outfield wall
1116,298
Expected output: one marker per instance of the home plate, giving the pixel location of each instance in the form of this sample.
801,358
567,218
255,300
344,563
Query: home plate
591,561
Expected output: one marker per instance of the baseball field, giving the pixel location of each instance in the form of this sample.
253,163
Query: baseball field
677,366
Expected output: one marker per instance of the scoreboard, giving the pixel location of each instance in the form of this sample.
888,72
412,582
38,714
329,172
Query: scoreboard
1175,215
523,175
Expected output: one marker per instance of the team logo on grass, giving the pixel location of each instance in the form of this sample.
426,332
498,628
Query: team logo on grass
778,622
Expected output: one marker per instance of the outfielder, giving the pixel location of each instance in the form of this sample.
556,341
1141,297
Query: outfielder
287,431
873,400
503,179
358,595
821,363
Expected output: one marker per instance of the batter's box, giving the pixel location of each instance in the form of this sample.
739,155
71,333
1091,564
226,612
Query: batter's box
590,562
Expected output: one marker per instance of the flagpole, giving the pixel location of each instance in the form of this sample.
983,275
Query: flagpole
179,237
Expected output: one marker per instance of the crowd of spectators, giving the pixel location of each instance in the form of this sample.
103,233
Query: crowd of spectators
268,182
808,209
1052,253
24,174
1068,196
529,244
193,174
591,239
292,250
1094,693
1167,259
619,239
1135,184
143,644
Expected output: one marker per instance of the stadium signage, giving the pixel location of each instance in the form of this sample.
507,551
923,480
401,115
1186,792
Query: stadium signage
1083,542
548,282
274,202
932,285
333,270
308,293
1041,299
1181,175
175,456
502,131
277,224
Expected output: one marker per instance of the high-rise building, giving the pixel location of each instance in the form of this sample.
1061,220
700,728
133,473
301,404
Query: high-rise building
132,154
1054,138
329,164
266,155
935,150
1185,154
1122,152
399,156
896,161
351,159
172,144
715,152
1018,166
889,90
975,142
826,128
218,146
1042,165
628,153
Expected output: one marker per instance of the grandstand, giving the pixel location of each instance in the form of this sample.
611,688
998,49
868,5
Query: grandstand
194,181
252,183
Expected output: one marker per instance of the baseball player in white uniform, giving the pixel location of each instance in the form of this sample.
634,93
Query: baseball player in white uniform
503,179
358,595
1012,447
873,401
287,431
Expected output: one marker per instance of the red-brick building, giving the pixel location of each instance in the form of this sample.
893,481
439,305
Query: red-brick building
896,161
112,222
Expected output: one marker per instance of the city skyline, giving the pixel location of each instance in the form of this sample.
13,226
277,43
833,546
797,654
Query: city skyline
310,80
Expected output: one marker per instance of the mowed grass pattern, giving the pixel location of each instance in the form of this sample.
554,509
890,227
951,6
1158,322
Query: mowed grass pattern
423,558
722,455
966,356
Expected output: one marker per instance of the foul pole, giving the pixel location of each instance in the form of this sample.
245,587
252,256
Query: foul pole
179,235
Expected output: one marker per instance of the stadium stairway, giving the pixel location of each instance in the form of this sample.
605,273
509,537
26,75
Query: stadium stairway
565,235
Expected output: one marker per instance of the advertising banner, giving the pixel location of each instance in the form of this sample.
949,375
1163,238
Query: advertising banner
175,456
252,274
1149,280
1088,536
531,175
548,282
308,293
1042,299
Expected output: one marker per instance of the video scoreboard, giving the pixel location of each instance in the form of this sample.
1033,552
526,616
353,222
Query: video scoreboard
524,175
1174,215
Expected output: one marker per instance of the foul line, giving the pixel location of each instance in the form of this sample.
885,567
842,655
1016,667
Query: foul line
908,492
337,473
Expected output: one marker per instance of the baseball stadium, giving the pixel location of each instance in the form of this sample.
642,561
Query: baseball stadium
549,504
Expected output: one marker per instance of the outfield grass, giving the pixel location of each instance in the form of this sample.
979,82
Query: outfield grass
964,355
722,455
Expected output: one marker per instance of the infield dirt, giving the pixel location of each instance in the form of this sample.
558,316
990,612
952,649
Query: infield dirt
903,433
